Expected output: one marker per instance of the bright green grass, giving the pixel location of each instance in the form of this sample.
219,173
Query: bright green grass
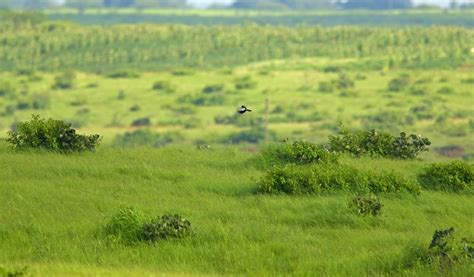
291,85
53,207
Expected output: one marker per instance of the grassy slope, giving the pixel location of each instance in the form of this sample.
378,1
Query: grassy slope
296,80
53,206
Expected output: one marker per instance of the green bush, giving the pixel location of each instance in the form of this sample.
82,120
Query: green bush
53,135
165,86
399,83
454,176
323,178
166,227
298,152
253,135
379,144
140,122
444,251
65,80
213,88
123,74
326,86
366,205
126,225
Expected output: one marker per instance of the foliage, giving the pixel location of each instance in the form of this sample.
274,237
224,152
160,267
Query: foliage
6,89
65,80
152,47
165,86
444,251
122,74
252,135
143,137
139,122
298,152
378,4
53,135
213,88
323,178
399,83
366,205
454,176
381,144
126,225
245,82
167,227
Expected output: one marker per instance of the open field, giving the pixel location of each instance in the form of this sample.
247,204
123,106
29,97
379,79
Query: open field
164,99
56,205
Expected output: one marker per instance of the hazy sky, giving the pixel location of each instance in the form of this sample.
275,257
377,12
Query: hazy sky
444,3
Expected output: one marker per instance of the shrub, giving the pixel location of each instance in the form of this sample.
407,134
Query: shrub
167,227
366,205
326,86
298,152
399,83
40,101
126,225
444,251
54,135
343,82
65,80
143,137
135,108
22,105
446,90
123,74
454,176
145,121
213,88
253,135
321,178
381,144
165,86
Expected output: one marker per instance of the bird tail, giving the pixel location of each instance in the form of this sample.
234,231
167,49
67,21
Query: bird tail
249,110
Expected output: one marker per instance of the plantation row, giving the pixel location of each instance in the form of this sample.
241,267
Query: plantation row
152,47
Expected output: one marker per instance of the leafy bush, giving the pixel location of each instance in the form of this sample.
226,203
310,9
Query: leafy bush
454,176
40,101
126,225
366,205
298,152
253,135
54,135
65,80
167,227
213,88
444,251
381,144
123,74
446,90
343,82
143,137
326,86
165,86
145,121
321,178
135,108
399,83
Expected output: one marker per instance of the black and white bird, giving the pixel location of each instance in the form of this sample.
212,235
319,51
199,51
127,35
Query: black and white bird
243,110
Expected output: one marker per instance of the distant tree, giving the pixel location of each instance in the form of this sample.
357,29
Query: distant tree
118,3
281,4
378,4
161,3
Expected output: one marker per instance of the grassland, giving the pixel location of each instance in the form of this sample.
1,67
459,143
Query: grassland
55,206
434,103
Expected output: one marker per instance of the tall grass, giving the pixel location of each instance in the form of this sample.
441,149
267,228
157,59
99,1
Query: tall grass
55,205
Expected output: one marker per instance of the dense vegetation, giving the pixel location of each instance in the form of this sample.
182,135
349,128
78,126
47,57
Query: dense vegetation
155,47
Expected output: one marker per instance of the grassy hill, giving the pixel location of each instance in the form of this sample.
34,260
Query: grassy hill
55,207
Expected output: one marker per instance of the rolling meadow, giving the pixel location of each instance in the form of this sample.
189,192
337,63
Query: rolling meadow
317,180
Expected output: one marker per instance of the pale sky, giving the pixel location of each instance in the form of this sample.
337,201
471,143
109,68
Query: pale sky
444,3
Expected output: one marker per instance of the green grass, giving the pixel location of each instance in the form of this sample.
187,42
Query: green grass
55,205
292,86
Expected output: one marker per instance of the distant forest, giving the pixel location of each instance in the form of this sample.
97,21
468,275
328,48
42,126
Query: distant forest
238,4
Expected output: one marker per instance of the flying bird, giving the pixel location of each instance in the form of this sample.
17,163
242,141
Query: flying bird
243,109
